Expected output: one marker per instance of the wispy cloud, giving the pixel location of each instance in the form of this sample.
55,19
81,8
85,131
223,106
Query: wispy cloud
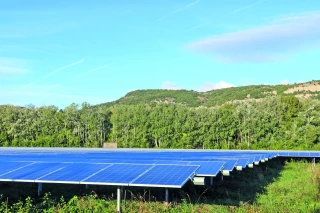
226,15
198,26
55,72
170,86
12,66
285,82
267,43
178,10
209,86
248,6
92,70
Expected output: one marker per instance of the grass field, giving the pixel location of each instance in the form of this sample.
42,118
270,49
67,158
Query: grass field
274,187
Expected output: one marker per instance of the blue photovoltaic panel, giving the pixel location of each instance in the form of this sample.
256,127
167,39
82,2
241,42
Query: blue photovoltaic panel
6,167
257,158
74,173
174,176
208,168
303,154
32,172
118,174
249,158
230,164
172,162
243,162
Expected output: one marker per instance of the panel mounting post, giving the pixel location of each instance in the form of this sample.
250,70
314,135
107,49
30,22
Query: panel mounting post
119,199
211,181
167,195
314,162
87,186
221,177
39,189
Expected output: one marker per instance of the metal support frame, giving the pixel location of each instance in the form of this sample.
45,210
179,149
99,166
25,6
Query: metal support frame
119,199
314,162
221,177
125,197
211,181
39,189
167,195
87,186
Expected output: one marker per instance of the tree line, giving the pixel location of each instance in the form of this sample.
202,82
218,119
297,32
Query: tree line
272,123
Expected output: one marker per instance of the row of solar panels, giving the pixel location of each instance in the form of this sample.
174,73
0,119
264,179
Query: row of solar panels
174,176
164,152
155,168
47,172
208,166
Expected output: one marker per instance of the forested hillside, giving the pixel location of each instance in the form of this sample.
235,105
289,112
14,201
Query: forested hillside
276,122
221,96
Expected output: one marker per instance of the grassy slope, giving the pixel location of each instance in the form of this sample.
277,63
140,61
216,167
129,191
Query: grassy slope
211,98
294,188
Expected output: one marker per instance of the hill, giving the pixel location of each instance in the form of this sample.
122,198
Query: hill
221,96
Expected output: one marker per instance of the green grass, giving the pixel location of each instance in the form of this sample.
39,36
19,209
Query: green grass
273,187
296,190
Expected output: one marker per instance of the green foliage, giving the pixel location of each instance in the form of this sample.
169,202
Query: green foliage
211,98
49,127
173,119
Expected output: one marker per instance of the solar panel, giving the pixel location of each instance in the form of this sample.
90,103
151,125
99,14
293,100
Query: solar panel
32,172
8,167
208,168
118,174
243,162
229,165
174,176
73,173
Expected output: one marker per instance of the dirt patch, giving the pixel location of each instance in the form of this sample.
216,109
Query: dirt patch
247,99
308,95
305,87
201,98
270,93
166,101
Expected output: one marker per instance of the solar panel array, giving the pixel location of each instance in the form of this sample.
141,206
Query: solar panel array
127,167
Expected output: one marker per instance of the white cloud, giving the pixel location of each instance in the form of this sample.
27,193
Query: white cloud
12,66
209,86
170,86
285,82
275,42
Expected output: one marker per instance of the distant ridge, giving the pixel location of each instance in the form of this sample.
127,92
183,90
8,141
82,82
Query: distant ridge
220,96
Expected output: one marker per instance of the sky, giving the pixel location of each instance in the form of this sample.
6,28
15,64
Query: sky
58,52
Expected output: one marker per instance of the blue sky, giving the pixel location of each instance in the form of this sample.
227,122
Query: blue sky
59,52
